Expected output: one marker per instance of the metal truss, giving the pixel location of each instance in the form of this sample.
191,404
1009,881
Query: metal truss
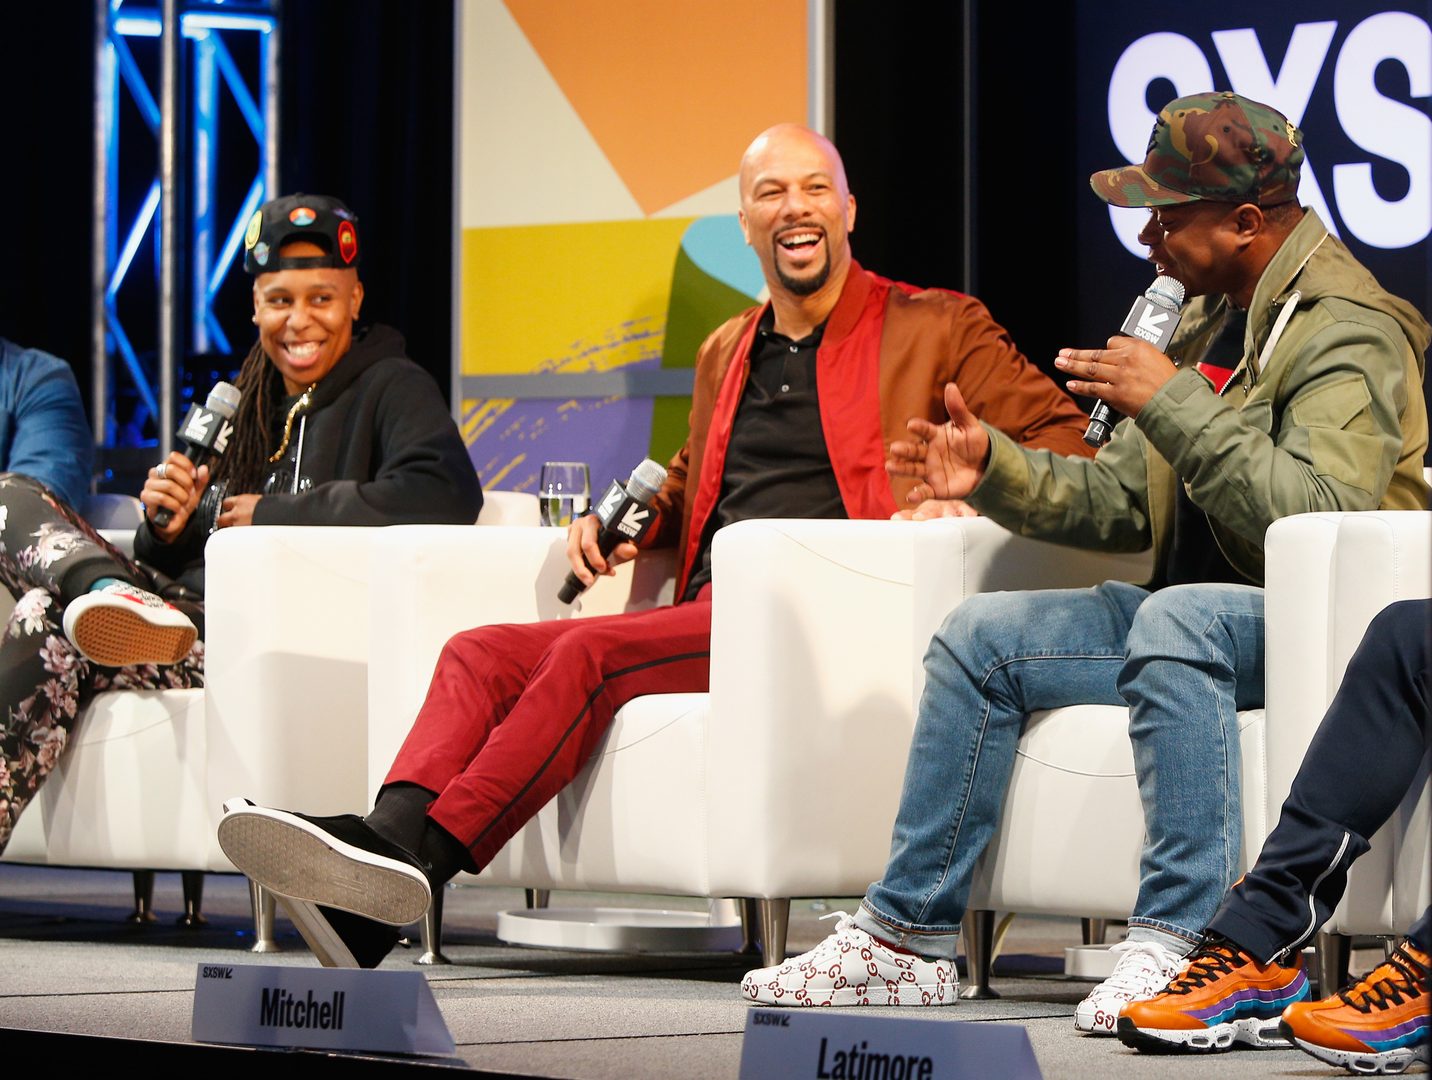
196,69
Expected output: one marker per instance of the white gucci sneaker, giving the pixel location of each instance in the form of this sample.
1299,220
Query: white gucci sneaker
852,968
1143,969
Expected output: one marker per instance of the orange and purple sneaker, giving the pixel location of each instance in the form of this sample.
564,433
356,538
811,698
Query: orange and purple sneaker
1221,997
1377,1025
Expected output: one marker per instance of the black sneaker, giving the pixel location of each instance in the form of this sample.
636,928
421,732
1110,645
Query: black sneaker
346,887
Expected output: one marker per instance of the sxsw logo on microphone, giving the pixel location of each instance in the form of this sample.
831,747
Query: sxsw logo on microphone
204,427
618,510
1356,80
1151,322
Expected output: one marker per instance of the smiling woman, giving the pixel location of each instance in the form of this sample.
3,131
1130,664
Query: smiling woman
305,317
334,426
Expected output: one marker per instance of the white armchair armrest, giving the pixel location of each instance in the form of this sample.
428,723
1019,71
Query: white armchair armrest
433,581
286,654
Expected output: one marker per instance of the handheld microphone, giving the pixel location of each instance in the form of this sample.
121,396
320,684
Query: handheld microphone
1153,318
625,514
205,433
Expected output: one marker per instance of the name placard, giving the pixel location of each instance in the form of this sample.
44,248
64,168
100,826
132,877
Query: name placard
321,1008
838,1044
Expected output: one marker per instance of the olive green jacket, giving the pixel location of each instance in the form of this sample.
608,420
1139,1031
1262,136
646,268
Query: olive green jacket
1332,418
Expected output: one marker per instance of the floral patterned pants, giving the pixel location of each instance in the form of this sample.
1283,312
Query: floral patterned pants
48,556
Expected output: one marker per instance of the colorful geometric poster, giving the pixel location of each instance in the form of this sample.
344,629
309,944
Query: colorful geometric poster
598,142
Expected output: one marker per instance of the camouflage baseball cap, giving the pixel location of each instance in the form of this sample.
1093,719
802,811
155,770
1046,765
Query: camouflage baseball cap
1217,147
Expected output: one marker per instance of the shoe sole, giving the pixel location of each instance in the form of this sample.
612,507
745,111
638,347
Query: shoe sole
114,637
301,863
1250,1033
851,996
323,940
1367,1062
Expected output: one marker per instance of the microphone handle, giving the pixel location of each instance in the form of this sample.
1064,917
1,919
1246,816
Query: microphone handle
198,455
1101,424
607,540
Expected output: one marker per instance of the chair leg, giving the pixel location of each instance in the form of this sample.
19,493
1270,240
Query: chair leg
143,897
775,916
537,898
262,903
978,932
193,882
1334,953
1094,930
750,925
432,931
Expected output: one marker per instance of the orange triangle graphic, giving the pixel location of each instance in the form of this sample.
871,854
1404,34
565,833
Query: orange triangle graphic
673,92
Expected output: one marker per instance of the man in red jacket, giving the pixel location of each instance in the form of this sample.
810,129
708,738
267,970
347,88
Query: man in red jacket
795,404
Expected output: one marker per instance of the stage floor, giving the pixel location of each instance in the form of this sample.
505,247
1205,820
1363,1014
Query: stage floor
69,963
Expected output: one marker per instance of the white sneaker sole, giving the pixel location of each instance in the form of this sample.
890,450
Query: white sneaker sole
1251,1033
1366,1062
911,995
120,633
303,864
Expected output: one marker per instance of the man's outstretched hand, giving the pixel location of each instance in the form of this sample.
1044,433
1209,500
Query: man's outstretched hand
947,459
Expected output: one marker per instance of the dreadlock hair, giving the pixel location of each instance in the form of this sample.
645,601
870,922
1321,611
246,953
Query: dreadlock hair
245,464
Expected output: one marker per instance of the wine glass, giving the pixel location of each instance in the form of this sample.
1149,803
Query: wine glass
564,491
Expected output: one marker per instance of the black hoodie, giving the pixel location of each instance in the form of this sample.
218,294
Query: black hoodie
376,442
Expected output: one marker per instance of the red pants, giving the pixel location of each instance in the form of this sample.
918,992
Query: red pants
514,712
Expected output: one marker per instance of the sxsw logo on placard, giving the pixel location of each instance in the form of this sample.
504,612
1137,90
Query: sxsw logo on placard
1380,126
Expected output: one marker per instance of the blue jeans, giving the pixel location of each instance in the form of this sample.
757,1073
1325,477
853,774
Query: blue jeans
1184,659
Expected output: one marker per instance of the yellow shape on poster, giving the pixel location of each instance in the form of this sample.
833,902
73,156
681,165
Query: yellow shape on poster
571,298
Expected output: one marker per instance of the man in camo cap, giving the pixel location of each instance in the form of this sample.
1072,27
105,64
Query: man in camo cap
1323,411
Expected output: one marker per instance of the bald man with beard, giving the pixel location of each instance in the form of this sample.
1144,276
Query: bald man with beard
795,404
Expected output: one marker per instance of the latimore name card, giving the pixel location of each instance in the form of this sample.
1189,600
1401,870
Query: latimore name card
839,1044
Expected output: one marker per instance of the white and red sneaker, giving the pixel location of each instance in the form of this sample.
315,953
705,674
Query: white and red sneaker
121,625
1144,968
852,968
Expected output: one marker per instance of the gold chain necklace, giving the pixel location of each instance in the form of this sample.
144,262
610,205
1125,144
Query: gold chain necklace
298,406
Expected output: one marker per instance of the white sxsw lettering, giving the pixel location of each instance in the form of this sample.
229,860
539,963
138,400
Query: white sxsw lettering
1387,128
1153,56
1380,125
1289,92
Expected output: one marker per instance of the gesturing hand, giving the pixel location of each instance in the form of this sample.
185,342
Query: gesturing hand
948,459
1126,373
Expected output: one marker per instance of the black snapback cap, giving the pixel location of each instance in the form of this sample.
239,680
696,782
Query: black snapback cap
320,219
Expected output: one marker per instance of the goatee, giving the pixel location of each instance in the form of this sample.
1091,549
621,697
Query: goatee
807,285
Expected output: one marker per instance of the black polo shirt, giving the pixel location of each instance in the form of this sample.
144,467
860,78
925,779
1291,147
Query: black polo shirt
777,463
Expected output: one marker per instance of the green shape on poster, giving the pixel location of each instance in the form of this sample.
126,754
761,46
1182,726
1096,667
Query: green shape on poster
699,303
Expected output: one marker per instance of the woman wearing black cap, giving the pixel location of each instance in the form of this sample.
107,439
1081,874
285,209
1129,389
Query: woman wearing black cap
333,426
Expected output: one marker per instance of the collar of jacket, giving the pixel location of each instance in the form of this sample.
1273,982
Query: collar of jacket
848,394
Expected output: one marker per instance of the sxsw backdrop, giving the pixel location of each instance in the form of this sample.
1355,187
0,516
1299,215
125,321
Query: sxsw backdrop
596,152
596,144
1355,75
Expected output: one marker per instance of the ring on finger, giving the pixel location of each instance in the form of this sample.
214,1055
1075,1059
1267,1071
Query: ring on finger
159,470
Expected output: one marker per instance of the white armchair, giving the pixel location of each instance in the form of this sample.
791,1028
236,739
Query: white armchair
282,717
1075,765
784,780
1373,559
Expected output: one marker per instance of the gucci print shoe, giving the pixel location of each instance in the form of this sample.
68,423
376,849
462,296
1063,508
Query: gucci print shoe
852,968
1143,969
